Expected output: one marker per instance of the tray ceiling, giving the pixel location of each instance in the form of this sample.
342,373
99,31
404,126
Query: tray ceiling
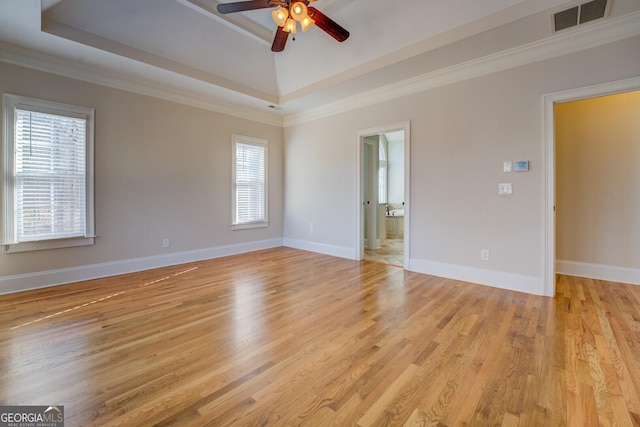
188,44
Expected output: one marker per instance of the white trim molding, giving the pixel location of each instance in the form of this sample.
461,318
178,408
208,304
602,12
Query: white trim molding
176,92
563,43
205,95
358,197
321,248
44,279
598,271
548,168
480,276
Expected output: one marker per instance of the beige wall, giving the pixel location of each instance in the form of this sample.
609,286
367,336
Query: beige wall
598,181
162,169
460,135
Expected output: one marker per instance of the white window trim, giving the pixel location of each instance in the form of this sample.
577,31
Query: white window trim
10,103
236,139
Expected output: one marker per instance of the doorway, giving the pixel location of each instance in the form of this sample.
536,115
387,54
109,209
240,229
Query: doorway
550,101
383,202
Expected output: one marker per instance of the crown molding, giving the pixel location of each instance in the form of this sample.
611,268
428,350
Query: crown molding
82,37
468,30
39,61
566,42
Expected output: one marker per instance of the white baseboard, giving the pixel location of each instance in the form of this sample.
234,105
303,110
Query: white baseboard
305,245
43,279
497,279
599,271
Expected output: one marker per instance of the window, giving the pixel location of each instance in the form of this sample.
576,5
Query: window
382,171
47,175
249,183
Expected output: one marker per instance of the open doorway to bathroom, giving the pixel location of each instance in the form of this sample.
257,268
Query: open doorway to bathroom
384,190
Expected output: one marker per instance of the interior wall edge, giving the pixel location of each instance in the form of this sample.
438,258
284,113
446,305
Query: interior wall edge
22,57
549,267
321,248
497,279
610,273
556,46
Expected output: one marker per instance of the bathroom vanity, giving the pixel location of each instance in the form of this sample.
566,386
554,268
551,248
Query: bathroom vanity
395,223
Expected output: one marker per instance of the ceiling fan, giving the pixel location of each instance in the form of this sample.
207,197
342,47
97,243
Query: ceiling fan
287,17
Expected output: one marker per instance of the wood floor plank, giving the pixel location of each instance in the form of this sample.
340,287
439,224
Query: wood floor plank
287,337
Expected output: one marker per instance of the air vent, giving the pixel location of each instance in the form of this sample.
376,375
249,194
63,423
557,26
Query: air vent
593,10
580,14
566,18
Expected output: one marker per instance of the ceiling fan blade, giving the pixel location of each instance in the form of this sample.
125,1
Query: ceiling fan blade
244,5
280,40
327,24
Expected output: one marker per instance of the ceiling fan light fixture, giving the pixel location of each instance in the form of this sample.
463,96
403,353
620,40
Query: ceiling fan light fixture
286,14
306,23
290,26
280,16
298,11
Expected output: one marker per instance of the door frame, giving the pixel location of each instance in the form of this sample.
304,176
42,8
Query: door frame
549,173
370,226
359,207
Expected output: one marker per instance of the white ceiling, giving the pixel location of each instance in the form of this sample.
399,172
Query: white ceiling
184,45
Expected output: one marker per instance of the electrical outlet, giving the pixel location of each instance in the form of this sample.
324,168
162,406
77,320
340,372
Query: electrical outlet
484,254
165,242
311,229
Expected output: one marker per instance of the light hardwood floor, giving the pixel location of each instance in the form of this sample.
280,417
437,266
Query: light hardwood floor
391,252
287,337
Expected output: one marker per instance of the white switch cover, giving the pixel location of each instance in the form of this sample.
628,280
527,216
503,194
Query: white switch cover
504,188
506,165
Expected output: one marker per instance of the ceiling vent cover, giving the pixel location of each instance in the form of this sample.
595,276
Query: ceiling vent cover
593,10
580,14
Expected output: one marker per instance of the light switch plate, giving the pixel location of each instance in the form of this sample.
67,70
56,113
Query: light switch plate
506,166
505,188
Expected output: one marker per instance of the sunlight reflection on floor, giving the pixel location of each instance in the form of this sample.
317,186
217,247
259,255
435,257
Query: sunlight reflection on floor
77,307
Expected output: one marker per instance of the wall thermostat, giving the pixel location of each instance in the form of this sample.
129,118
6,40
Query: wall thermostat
521,166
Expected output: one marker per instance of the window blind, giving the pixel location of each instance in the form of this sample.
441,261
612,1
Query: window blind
250,183
50,176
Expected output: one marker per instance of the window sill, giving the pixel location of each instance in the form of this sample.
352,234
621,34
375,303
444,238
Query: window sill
249,225
48,244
